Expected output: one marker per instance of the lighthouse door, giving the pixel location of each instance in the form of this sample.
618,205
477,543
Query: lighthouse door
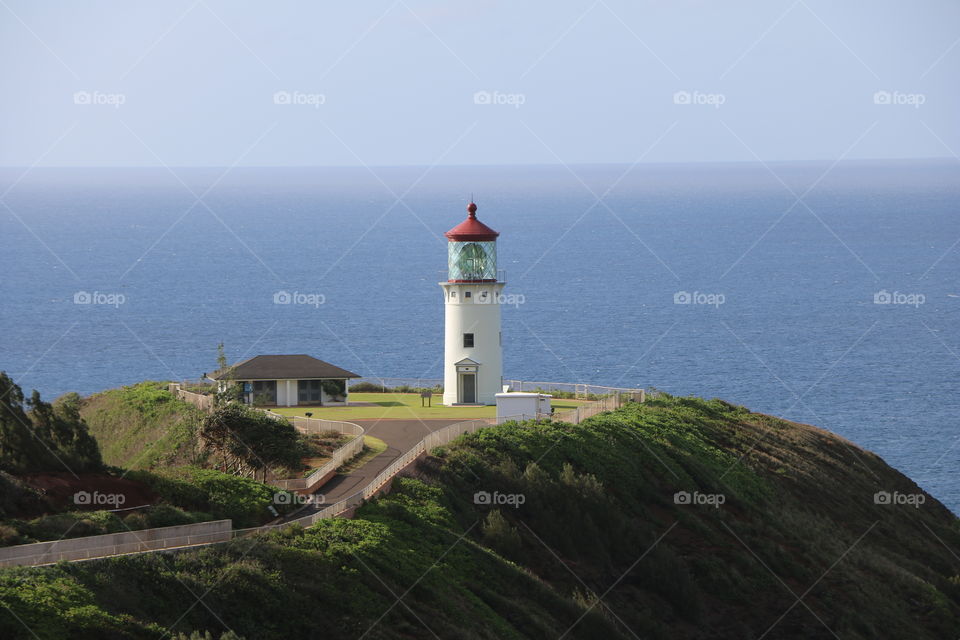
468,388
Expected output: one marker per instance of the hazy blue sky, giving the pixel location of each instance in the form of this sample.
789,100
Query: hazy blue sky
386,82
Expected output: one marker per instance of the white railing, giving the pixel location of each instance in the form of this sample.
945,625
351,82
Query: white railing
437,438
580,389
341,455
199,400
113,544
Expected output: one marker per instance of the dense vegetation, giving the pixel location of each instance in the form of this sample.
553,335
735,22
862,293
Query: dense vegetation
37,436
143,426
582,533
245,441
185,495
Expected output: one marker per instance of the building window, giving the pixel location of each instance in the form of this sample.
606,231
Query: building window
467,294
264,392
468,340
308,391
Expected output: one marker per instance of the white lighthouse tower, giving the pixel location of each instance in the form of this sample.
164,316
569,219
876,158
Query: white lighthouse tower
472,354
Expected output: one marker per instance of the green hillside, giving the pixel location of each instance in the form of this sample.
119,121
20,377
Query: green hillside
588,541
142,426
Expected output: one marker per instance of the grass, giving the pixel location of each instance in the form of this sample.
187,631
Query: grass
404,406
142,426
372,447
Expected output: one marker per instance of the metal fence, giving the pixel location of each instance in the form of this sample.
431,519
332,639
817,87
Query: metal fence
113,544
580,389
439,437
339,456
199,400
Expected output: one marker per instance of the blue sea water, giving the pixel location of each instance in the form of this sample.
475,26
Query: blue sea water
598,254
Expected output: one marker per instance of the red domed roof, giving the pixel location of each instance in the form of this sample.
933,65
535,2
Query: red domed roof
471,229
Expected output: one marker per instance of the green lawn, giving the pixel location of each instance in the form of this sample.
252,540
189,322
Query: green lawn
404,405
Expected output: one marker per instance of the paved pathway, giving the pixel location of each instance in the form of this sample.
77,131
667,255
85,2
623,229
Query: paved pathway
400,436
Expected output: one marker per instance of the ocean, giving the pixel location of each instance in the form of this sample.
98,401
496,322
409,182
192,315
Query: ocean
824,294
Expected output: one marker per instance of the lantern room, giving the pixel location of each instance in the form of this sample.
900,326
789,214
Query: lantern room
471,250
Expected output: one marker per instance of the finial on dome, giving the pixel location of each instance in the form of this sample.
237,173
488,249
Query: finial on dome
472,209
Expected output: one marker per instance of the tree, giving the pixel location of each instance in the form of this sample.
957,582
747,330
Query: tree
250,443
37,436
335,389
222,363
227,390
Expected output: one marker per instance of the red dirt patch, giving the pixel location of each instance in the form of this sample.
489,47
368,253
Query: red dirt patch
91,491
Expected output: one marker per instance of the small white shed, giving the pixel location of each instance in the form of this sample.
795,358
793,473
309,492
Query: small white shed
523,405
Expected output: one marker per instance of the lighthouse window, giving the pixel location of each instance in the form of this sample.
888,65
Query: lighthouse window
453,294
467,294
483,296
468,340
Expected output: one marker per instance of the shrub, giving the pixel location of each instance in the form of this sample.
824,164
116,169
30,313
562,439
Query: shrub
9,536
167,515
500,535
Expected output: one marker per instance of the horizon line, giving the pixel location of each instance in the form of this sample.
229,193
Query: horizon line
484,165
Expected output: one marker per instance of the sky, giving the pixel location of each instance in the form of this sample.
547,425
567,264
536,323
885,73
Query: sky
405,82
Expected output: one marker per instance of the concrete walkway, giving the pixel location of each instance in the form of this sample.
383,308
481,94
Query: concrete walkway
400,436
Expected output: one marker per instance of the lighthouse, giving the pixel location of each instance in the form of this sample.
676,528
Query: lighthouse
472,352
